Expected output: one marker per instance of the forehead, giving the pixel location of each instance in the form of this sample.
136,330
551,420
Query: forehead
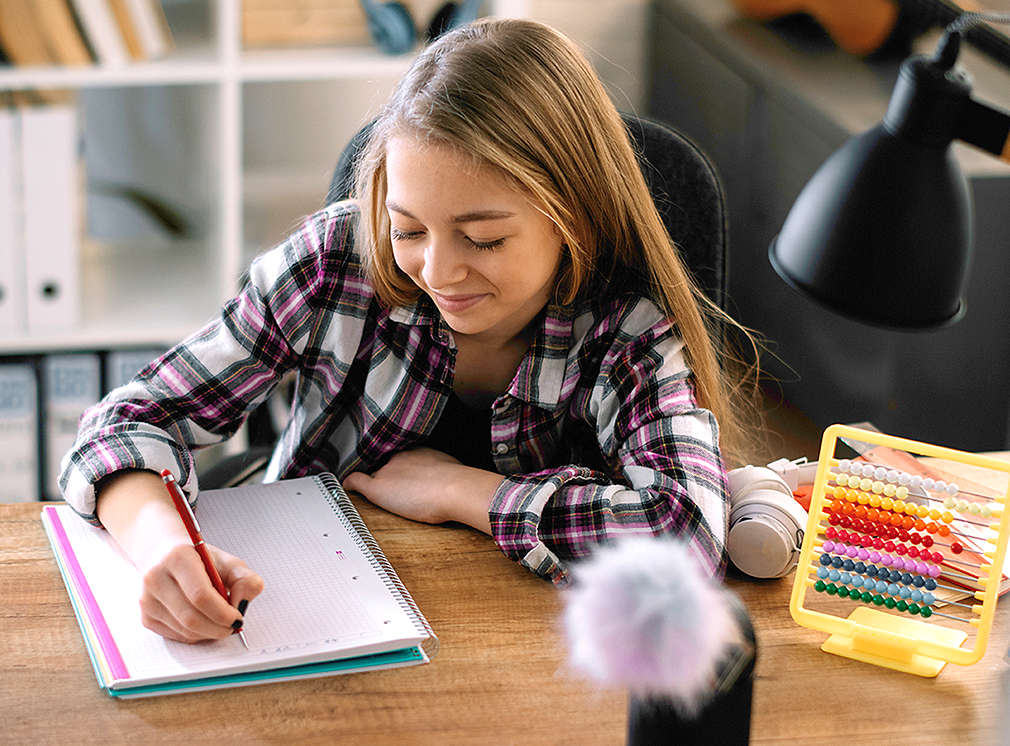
414,164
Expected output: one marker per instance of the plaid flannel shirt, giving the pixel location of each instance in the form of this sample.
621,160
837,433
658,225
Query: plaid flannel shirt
598,434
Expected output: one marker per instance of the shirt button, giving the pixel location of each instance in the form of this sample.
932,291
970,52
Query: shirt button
501,448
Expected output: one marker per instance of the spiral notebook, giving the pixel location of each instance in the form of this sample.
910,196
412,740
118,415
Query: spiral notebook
332,603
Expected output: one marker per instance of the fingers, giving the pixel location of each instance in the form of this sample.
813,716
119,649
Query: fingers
178,600
357,482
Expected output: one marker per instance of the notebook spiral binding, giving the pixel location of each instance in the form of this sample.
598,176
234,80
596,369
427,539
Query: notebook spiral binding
343,506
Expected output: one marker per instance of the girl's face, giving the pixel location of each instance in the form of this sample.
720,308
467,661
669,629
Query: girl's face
477,246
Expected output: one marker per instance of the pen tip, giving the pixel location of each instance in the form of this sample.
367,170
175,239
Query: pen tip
241,636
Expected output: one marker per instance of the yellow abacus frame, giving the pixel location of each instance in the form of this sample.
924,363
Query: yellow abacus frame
877,637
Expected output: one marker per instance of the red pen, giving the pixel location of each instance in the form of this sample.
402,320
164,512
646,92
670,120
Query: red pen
193,528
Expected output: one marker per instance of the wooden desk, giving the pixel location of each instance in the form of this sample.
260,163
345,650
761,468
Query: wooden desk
498,678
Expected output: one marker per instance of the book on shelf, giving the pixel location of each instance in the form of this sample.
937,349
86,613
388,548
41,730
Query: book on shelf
150,25
128,30
13,306
277,23
52,206
102,31
331,604
70,384
21,35
62,34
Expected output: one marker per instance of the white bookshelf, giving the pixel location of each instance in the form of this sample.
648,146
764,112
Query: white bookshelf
151,290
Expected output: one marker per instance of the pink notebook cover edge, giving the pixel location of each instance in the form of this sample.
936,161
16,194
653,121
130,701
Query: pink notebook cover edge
105,640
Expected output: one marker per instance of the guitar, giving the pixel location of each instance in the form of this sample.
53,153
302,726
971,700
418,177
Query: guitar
862,27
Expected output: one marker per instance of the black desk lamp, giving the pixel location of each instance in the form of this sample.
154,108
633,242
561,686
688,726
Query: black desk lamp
882,232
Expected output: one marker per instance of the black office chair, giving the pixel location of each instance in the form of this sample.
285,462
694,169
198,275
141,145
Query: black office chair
688,195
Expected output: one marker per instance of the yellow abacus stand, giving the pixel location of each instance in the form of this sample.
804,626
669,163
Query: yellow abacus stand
878,637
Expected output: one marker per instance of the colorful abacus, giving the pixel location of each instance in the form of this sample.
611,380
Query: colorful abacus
893,541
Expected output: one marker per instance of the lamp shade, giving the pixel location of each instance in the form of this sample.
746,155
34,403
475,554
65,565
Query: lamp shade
882,232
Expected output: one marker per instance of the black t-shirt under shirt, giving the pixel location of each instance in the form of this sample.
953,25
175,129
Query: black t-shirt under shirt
464,432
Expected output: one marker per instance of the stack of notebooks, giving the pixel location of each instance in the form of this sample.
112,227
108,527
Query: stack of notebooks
332,603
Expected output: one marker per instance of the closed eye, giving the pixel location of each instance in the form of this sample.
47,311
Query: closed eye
398,235
486,245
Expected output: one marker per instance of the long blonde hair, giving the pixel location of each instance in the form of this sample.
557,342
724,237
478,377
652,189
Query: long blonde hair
520,96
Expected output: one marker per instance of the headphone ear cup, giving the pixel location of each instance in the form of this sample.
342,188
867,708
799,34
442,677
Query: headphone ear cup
390,25
766,524
453,15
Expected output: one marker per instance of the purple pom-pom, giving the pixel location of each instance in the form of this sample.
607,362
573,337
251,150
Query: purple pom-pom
643,615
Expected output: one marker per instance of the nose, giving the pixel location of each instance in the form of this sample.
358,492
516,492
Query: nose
443,265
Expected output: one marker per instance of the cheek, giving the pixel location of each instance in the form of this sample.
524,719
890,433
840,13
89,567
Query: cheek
404,261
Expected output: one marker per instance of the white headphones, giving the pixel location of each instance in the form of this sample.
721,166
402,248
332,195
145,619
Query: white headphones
766,524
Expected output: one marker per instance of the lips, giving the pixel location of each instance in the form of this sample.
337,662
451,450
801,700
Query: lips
457,303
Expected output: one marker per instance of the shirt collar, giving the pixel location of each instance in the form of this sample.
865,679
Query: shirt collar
540,377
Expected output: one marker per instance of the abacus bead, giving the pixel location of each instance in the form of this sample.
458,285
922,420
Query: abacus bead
940,486
865,484
895,576
878,600
906,578
943,530
871,570
901,493
904,478
918,581
819,586
860,567
878,543
867,597
921,568
872,514
916,596
937,557
833,574
925,612
928,483
915,482
934,571
892,532
900,605
927,541
880,586
822,572
848,565
922,511
908,522
947,516
913,552
825,559
874,501
899,506
949,502
931,527
930,584
935,514
897,519
914,538
889,603
831,589
864,498
886,503
974,508
985,511
892,475
901,549
890,490
877,486
904,593
874,556
836,561
854,580
919,524
913,609
844,465
956,547
894,589
952,488
961,505
928,598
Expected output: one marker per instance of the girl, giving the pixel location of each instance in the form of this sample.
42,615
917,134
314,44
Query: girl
497,332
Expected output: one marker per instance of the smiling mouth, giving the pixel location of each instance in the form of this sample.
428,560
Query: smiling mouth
457,303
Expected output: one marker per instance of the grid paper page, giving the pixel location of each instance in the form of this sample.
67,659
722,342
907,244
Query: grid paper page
322,598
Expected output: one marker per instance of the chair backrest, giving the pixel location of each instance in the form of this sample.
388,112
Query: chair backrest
683,182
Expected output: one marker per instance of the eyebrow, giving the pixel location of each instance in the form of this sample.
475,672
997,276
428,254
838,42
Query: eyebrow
466,217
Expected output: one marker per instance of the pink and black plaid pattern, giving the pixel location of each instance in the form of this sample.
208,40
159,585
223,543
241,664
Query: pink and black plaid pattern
598,434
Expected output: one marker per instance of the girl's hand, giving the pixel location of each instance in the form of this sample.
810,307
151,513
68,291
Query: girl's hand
179,602
426,485
177,599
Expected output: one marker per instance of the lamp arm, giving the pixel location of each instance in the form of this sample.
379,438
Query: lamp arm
985,127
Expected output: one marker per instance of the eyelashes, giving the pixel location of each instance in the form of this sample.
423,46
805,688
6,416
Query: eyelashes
398,235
